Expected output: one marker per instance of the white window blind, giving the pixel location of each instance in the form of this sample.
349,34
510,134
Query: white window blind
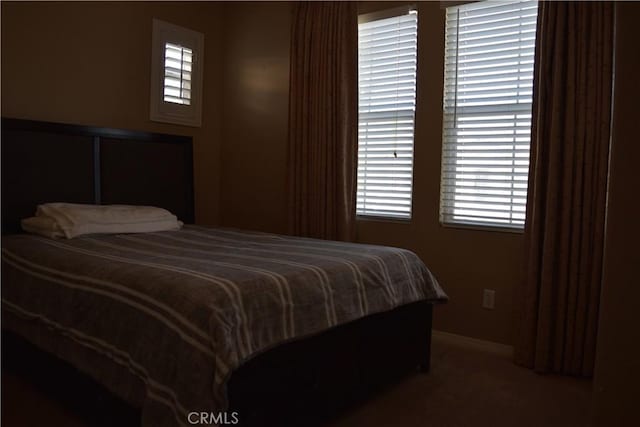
488,85
178,61
387,93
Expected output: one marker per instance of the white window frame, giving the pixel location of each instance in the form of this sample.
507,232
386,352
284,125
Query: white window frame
375,206
165,111
476,178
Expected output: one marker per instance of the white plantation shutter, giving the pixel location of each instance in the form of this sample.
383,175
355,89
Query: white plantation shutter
177,58
387,56
178,62
487,112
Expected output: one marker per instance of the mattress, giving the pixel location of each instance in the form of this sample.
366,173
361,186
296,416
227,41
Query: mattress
177,312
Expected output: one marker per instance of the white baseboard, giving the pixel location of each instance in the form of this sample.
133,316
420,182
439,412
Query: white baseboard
464,341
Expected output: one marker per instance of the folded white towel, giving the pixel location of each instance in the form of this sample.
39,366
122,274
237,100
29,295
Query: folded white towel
42,225
103,214
70,220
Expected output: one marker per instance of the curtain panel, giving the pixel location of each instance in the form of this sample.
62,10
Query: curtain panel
564,231
323,120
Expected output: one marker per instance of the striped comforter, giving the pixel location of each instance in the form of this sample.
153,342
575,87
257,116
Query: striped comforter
178,311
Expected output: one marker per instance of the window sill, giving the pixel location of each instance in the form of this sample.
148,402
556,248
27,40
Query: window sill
478,227
371,218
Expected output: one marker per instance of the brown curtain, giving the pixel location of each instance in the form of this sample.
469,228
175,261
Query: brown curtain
323,120
566,205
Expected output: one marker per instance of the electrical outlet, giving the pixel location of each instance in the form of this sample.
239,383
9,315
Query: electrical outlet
489,299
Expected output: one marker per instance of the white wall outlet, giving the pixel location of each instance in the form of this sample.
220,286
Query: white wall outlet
489,299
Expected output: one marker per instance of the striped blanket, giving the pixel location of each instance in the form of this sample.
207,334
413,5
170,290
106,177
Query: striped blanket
178,311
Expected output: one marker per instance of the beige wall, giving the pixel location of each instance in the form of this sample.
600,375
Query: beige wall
89,63
617,372
255,115
254,170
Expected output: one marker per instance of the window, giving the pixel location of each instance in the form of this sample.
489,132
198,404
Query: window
387,56
489,55
178,62
176,74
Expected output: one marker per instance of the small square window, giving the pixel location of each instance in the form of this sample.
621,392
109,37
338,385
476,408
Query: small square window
176,74
178,62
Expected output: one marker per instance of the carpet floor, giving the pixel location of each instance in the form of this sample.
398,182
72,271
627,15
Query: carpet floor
470,386
467,386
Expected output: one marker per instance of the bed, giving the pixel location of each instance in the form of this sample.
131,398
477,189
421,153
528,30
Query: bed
215,325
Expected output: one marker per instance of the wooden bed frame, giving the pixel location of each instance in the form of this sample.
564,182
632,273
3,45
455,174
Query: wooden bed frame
298,383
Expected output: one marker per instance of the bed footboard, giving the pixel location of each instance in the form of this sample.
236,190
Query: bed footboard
308,381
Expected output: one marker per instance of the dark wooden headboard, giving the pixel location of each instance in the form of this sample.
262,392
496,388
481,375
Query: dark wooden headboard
55,162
